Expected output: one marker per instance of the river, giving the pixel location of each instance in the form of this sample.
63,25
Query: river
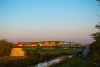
51,62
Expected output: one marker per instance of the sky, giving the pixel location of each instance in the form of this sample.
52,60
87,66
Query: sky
43,20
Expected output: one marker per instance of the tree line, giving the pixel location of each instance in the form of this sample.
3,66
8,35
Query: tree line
5,47
95,46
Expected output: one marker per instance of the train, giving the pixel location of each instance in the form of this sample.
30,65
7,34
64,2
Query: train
36,44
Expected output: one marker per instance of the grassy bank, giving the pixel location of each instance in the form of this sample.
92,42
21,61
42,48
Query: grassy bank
78,61
32,59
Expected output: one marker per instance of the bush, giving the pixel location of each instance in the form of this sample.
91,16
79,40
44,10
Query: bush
95,51
5,48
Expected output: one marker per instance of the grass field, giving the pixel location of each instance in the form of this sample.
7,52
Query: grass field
50,48
78,61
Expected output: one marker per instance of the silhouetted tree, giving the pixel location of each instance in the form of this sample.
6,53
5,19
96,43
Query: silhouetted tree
95,46
96,36
99,2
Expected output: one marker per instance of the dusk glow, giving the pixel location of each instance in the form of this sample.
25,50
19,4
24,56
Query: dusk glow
43,20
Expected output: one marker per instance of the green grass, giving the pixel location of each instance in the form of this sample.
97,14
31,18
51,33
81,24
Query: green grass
29,48
78,61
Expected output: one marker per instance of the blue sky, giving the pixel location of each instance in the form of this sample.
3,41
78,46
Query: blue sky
39,20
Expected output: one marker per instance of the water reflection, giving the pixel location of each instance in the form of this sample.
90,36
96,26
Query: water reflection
47,63
52,61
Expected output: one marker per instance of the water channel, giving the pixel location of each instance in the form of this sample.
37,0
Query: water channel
51,62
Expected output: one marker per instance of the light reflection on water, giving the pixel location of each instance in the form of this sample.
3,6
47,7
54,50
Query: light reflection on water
52,61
